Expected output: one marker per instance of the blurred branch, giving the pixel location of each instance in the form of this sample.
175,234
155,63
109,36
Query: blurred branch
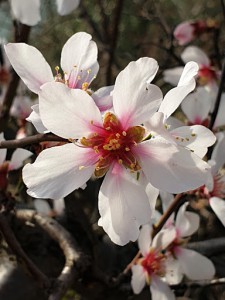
114,39
14,245
30,140
223,8
21,34
67,244
208,247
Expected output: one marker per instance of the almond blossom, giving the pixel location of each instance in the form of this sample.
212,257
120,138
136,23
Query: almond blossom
116,145
207,74
79,65
152,267
187,31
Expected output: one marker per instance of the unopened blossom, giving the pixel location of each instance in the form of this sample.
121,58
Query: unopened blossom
79,65
152,269
207,73
28,11
116,145
187,31
16,162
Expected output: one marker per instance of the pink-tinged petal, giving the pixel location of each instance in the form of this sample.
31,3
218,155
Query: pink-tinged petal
196,138
218,152
196,54
186,222
134,99
35,119
138,278
26,11
103,98
58,171
144,239
185,85
173,271
197,105
164,238
65,7
2,151
172,76
160,290
170,168
220,115
218,206
184,33
29,64
120,211
18,157
67,112
194,265
79,58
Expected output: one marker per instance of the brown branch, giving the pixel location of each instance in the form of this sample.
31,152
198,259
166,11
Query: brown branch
30,140
66,243
114,39
14,245
21,35
177,202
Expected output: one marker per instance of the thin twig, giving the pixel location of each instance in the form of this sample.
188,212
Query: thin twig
21,35
14,245
67,244
30,140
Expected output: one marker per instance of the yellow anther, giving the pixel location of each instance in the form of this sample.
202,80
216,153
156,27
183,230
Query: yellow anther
118,135
85,86
92,122
120,161
78,77
193,134
57,68
177,138
124,133
89,71
108,128
95,134
187,139
132,166
182,139
127,149
81,168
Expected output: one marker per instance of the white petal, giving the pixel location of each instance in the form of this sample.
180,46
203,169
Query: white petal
218,152
186,222
220,115
170,168
123,206
160,290
138,279
26,11
59,205
173,122
164,238
64,7
186,85
218,206
35,119
173,271
194,265
79,58
172,76
196,138
2,151
167,199
196,54
196,106
144,239
18,157
29,64
134,99
67,112
103,97
58,171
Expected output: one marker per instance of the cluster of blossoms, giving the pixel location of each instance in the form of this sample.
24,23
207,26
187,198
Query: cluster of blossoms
165,260
118,131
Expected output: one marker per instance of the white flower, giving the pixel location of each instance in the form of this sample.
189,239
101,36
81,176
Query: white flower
152,267
114,144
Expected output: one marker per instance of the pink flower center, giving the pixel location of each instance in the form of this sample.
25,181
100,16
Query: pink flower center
112,143
153,263
207,74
